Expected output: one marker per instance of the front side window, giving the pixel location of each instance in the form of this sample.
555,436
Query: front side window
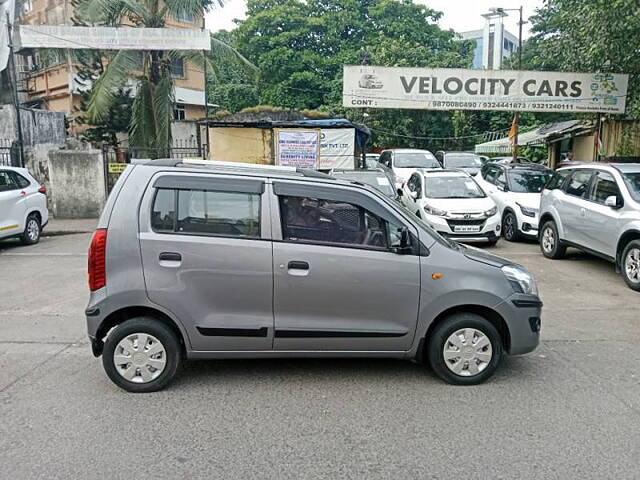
604,186
500,179
205,212
489,173
528,181
452,187
578,183
632,181
415,160
385,159
331,222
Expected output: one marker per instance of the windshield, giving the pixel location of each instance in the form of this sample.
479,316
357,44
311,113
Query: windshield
380,182
415,160
528,181
452,187
633,184
459,161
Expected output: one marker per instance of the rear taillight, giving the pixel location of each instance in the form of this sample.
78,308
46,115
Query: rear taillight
42,190
97,260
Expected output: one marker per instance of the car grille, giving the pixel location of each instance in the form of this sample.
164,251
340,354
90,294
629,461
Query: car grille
473,222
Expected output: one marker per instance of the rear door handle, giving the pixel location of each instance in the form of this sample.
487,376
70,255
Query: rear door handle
298,265
170,256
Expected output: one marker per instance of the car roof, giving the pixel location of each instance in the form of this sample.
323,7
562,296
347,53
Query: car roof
365,171
443,172
407,150
621,167
522,166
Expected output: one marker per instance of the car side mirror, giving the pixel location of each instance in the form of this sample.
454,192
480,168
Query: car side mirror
405,243
399,192
614,201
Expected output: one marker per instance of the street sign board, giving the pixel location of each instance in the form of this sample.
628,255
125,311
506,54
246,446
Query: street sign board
116,167
462,89
297,148
111,38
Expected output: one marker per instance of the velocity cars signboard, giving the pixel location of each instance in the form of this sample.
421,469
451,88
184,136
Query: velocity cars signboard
460,89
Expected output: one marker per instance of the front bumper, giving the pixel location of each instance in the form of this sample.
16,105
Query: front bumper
489,230
528,226
522,314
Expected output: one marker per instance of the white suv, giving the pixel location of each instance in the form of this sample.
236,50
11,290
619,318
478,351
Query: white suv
404,161
23,205
453,204
595,208
516,190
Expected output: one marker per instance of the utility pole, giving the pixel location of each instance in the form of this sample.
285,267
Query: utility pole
206,97
517,115
14,83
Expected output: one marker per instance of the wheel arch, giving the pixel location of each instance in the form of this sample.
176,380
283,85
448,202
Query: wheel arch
624,240
482,310
120,316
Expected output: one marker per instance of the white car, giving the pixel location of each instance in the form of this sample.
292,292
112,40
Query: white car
516,190
23,205
453,203
404,161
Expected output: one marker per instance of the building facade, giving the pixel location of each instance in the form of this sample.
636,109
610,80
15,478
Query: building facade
50,77
493,43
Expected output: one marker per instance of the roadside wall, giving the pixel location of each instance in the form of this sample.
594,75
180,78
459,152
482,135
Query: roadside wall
39,127
77,183
244,145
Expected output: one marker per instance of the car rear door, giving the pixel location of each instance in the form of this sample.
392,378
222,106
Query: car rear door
13,205
338,285
206,252
573,206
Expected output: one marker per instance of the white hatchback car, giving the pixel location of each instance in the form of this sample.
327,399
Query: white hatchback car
453,204
516,190
404,161
23,205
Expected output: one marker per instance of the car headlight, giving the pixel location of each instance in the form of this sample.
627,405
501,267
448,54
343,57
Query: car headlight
520,279
529,212
491,212
434,211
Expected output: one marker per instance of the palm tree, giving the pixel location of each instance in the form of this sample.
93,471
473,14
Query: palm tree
150,70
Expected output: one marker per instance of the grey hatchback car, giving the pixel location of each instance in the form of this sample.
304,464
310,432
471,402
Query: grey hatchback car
213,261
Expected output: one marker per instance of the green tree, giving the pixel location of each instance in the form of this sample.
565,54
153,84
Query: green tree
153,102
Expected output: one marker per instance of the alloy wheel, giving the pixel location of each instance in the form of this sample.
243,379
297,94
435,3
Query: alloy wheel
467,352
509,227
33,229
140,358
632,265
548,240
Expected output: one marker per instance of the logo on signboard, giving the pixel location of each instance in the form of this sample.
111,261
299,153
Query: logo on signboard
370,82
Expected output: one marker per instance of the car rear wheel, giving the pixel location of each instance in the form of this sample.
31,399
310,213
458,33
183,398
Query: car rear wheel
141,355
32,230
465,349
631,265
510,227
550,241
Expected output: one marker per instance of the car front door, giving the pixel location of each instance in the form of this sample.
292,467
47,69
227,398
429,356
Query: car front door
573,207
13,205
206,253
339,283
601,223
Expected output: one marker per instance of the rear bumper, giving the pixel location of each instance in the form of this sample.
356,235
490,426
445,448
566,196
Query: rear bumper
522,314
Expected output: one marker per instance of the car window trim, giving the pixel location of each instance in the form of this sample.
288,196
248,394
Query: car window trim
570,177
592,182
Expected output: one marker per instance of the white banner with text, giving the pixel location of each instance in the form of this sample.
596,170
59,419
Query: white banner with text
297,148
337,148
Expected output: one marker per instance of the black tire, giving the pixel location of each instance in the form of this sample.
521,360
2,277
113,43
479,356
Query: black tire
510,227
550,246
149,326
632,278
492,243
437,342
32,230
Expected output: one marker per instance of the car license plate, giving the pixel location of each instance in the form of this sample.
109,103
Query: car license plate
466,229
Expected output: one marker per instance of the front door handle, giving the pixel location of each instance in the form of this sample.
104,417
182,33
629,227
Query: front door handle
298,265
170,256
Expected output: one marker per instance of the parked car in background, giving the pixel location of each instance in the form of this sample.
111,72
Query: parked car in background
453,204
23,205
516,190
404,161
469,162
595,208
327,269
374,177
508,160
371,159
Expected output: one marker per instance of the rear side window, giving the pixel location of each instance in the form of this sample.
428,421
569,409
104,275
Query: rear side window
489,173
7,182
557,180
206,212
334,223
604,186
578,183
19,180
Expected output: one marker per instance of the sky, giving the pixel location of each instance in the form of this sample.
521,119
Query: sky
460,15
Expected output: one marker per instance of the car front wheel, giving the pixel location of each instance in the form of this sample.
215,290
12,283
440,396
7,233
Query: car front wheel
510,227
550,241
631,265
465,349
141,355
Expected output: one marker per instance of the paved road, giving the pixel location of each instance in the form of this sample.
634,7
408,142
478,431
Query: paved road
569,410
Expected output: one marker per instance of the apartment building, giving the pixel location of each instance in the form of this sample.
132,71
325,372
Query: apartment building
50,77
